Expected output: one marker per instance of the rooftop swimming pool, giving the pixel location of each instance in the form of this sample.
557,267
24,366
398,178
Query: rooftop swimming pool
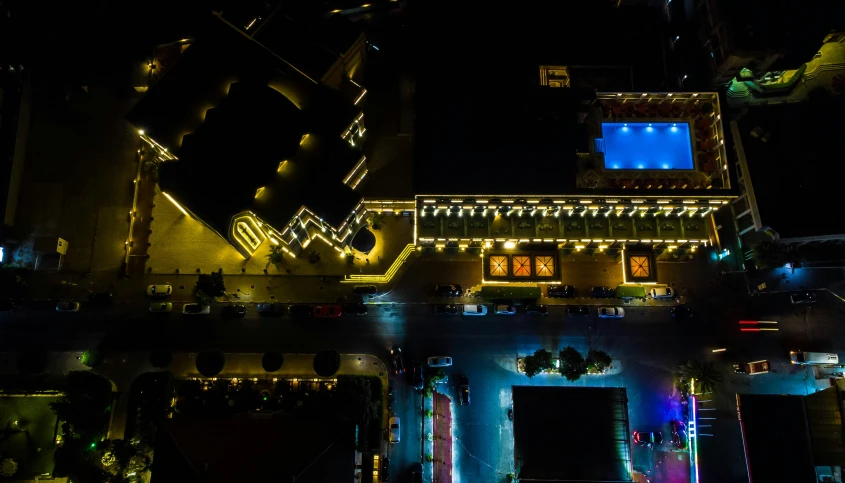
642,145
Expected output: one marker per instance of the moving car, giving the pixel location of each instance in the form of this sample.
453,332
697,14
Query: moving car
448,290
394,429
679,434
234,311
67,306
816,358
463,391
751,368
160,307
439,361
271,310
679,312
300,310
196,309
662,293
475,310
354,309
101,299
561,291
577,310
802,298
611,312
327,311
445,310
417,375
159,290
602,292
370,290
396,360
648,438
536,310
505,310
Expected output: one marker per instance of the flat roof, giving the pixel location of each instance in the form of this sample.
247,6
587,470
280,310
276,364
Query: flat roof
596,418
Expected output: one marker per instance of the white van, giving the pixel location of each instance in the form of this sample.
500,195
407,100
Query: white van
798,357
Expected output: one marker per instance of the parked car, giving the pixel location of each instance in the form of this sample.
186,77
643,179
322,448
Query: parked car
463,391
802,297
416,472
679,434
384,474
394,429
577,310
505,310
417,375
602,292
536,310
160,307
300,310
751,368
396,360
439,361
196,309
611,312
445,310
662,293
448,290
68,306
680,312
101,299
354,309
561,291
475,309
370,290
271,310
326,311
649,438
159,290
234,311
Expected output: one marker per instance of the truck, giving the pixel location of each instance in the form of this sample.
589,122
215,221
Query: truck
751,368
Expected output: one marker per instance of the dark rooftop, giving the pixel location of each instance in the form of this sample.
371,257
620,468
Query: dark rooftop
798,162
598,416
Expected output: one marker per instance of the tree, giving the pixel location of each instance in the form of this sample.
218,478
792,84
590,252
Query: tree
86,406
212,284
537,363
572,364
598,360
275,256
326,363
705,375
272,361
202,298
376,220
92,357
432,380
210,363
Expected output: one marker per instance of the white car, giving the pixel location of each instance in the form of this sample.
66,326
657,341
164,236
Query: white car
439,361
67,306
475,310
159,290
196,309
394,429
505,310
611,312
160,307
662,293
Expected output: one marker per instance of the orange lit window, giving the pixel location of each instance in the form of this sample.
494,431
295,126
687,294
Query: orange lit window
544,266
498,265
640,267
521,266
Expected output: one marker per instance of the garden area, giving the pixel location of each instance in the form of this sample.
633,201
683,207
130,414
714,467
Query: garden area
28,434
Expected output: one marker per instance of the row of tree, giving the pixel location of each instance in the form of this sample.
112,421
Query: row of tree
572,364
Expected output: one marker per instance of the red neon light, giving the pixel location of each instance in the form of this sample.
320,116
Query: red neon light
749,329
747,322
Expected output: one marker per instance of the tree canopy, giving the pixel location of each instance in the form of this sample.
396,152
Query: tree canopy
572,364
540,361
327,363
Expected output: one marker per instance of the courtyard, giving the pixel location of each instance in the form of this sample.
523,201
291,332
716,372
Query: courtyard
29,433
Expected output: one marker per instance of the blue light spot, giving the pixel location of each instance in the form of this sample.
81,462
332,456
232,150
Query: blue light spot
640,166
615,165
649,129
624,129
665,166
673,129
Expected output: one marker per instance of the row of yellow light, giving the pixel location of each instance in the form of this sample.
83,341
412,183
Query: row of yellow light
388,275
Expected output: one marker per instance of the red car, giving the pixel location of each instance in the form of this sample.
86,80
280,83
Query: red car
327,311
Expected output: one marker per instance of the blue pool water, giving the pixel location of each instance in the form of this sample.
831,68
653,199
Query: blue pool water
641,145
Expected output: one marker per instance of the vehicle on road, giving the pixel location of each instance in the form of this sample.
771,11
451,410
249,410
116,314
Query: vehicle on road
300,310
536,310
680,312
602,292
416,472
814,358
68,306
417,375
384,474
439,361
662,293
354,309
463,391
679,434
577,310
370,290
505,310
101,299
160,307
445,310
561,291
234,311
475,309
649,438
448,290
196,309
159,290
751,368
394,429
611,312
271,310
396,360
327,311
802,297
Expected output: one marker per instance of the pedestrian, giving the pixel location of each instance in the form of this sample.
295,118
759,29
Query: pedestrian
368,261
